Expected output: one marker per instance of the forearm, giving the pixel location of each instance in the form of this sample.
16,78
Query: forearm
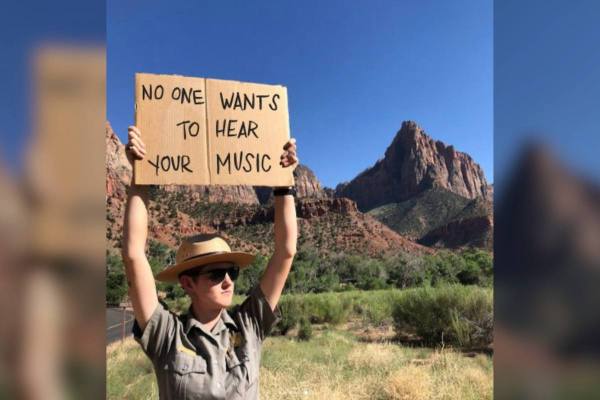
135,224
280,264
285,226
142,289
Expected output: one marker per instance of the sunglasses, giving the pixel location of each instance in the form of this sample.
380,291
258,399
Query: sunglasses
218,275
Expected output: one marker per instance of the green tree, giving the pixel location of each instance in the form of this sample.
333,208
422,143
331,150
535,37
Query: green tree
160,256
303,276
250,276
116,282
477,269
406,272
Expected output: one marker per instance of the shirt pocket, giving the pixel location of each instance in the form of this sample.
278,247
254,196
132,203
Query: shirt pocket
238,373
183,370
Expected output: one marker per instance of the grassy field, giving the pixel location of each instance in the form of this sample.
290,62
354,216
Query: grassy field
344,362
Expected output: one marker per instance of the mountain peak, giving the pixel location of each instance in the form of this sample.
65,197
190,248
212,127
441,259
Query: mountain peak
413,163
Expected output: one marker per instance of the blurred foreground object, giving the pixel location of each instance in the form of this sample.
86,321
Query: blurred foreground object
547,192
65,163
547,257
53,341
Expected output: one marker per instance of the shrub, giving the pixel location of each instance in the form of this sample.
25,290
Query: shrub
457,315
404,273
378,306
305,331
326,308
374,307
442,268
470,274
174,291
290,315
479,268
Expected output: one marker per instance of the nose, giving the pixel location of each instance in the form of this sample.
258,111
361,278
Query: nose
227,282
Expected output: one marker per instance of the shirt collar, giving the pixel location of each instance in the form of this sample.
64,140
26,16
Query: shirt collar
225,320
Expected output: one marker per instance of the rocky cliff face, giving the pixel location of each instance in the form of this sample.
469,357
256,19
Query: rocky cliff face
118,169
241,194
118,178
244,215
413,163
307,184
311,208
438,215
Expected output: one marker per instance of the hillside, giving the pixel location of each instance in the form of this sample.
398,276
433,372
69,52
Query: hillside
440,218
422,195
325,223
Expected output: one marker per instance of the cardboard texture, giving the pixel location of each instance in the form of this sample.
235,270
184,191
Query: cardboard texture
173,127
219,133
247,126
64,173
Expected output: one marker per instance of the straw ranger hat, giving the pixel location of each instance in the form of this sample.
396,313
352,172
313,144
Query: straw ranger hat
200,250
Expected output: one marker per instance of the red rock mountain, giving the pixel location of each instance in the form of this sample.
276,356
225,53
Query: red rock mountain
307,184
414,163
244,214
118,169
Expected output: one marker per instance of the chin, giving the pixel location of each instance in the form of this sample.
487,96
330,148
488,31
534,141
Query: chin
227,304
223,300
227,299
222,304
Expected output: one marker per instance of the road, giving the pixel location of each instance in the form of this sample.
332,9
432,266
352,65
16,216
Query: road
114,324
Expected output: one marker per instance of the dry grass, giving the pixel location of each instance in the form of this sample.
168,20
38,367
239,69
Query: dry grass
371,355
129,373
337,366
333,365
409,383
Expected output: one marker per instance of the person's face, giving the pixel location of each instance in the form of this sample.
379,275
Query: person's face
207,289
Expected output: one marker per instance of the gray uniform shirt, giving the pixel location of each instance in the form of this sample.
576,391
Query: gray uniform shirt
193,363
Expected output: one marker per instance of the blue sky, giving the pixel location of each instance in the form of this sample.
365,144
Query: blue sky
24,25
354,71
547,81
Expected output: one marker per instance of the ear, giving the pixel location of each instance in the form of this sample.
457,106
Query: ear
187,283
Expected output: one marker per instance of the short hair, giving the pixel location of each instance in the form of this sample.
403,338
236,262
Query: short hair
192,272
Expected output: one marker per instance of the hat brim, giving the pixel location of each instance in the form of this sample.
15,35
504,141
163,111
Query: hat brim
171,273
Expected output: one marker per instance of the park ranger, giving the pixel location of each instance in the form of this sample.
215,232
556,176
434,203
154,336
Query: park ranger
209,352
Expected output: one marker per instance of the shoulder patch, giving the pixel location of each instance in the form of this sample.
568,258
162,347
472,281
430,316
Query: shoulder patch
237,339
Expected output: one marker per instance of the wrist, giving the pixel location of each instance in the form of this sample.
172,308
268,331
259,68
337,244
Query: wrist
140,190
283,191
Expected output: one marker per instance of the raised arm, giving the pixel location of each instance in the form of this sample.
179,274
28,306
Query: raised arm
142,288
286,234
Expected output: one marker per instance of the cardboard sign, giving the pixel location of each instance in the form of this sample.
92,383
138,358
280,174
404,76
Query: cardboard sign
211,132
66,176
